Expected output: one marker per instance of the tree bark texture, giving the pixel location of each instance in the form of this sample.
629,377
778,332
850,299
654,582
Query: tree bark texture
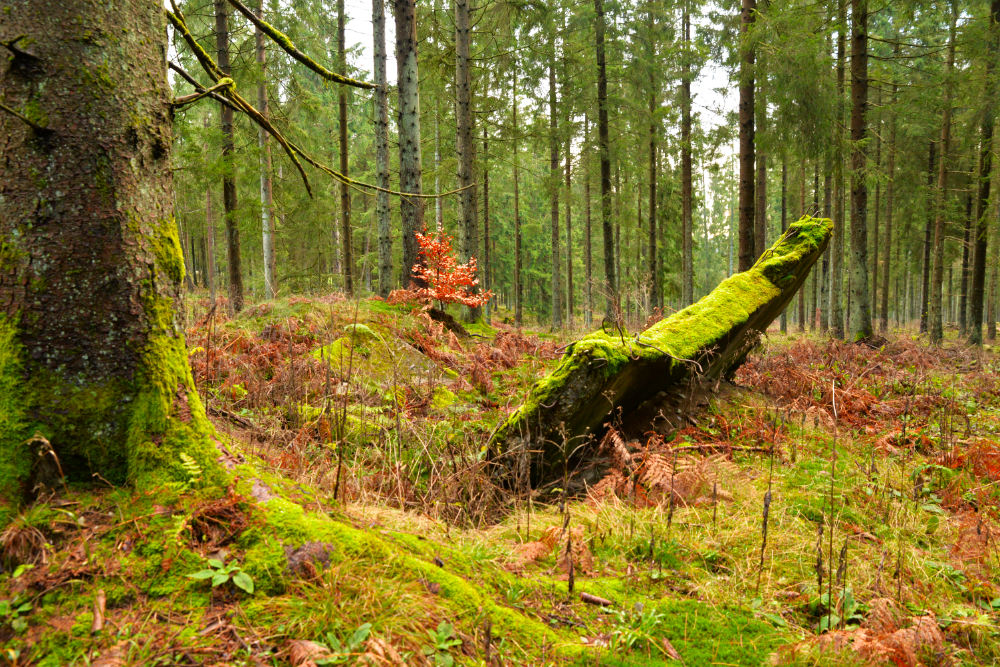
861,317
985,178
610,283
346,234
837,263
553,187
464,139
382,150
935,325
229,203
687,233
746,123
92,353
411,208
266,194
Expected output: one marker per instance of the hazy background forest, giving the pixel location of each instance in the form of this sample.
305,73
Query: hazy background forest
674,136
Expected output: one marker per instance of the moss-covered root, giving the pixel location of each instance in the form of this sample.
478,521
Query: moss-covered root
604,372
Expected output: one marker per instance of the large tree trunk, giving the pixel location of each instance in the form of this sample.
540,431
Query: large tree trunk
266,196
610,283
411,208
464,142
985,177
861,317
935,326
746,122
229,174
92,354
610,371
382,150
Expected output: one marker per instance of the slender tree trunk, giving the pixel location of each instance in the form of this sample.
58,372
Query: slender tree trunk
746,122
837,265
465,144
687,231
935,325
411,208
985,178
518,276
861,318
803,296
611,284
487,271
569,236
346,235
963,285
760,188
229,174
94,355
784,225
210,268
266,197
890,197
876,232
382,150
814,314
588,232
554,194
928,231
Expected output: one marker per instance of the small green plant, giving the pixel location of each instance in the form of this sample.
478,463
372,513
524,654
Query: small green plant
342,651
851,612
220,573
443,639
637,629
13,612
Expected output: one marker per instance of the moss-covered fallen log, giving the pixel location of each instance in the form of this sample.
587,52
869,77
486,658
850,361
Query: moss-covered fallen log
608,371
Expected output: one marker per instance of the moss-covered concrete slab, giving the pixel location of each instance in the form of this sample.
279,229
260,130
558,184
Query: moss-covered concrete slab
611,370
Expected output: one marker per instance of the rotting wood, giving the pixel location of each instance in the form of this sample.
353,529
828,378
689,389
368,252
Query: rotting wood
610,373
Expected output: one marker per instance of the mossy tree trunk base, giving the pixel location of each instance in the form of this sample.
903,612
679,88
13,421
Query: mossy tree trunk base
610,373
92,352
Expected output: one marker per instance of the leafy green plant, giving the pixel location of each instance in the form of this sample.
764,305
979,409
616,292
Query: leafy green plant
342,651
442,641
637,629
220,573
14,612
846,610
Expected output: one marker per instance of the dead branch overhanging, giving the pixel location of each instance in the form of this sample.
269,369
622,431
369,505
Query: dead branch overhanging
293,151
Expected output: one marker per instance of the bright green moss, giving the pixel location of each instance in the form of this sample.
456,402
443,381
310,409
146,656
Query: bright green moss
15,458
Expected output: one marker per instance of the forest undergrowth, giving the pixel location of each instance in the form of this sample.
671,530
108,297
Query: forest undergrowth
834,504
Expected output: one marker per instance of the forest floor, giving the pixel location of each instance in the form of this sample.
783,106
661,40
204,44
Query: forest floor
364,525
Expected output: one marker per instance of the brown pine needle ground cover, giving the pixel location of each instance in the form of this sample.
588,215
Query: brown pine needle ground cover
361,426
